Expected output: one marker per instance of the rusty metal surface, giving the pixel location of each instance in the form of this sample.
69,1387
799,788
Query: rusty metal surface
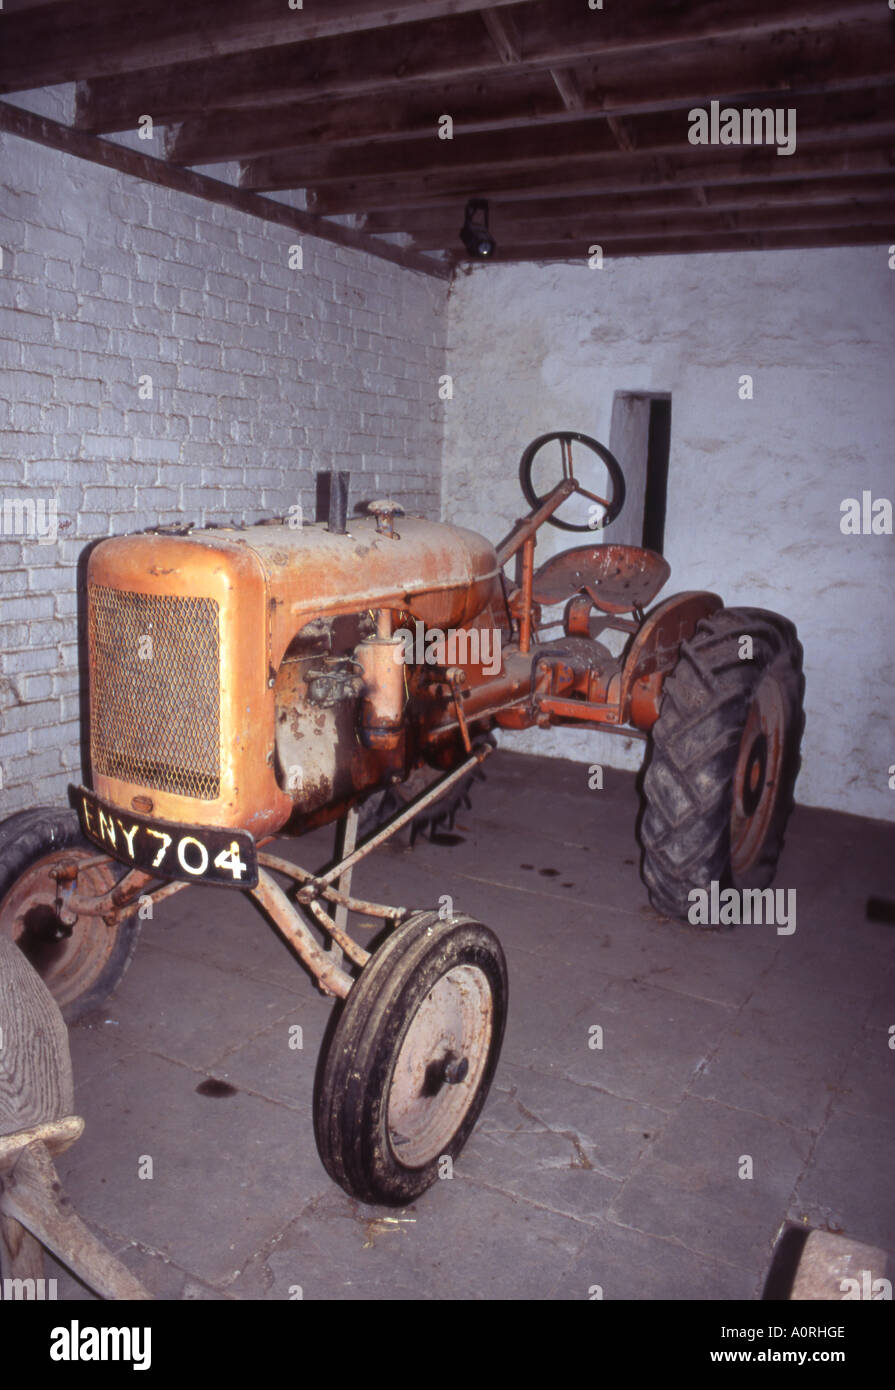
157,659
64,959
267,582
319,757
528,560
443,574
334,895
294,601
555,707
396,823
756,778
655,648
527,526
331,978
231,576
617,578
344,944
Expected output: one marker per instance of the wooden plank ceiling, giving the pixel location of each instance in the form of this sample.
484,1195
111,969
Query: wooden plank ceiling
569,116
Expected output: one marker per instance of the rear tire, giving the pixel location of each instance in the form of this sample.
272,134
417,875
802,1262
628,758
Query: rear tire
725,755
80,965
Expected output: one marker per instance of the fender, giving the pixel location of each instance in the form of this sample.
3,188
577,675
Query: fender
655,650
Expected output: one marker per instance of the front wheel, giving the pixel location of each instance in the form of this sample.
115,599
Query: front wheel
725,755
412,1058
80,964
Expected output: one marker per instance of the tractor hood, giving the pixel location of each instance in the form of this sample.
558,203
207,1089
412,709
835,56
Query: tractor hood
442,574
188,631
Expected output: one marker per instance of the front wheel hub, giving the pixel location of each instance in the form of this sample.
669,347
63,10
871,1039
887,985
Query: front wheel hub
455,1070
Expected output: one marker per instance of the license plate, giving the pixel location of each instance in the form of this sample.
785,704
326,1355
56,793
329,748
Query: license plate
192,853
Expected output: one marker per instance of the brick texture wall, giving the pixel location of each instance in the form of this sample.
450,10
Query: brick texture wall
260,375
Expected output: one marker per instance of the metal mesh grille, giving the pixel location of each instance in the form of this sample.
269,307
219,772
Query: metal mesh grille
155,707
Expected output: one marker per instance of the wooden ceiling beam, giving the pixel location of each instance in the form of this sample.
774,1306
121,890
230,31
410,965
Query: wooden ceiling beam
501,103
436,227
681,79
792,240
555,34
53,44
566,83
615,173
43,131
12,7
864,114
422,53
580,233
504,35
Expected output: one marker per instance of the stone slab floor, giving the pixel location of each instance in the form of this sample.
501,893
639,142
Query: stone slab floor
615,1166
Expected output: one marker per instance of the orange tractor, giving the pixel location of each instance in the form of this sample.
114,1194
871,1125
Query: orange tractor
250,680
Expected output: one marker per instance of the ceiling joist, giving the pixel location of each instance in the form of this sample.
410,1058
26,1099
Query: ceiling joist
557,33
55,43
791,240
573,121
613,173
798,65
860,115
428,225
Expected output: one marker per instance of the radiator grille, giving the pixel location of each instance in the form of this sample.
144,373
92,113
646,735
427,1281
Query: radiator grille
155,706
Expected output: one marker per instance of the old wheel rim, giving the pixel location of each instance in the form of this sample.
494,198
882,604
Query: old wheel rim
449,1037
68,959
756,779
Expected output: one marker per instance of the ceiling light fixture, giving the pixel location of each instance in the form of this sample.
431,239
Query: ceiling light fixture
475,235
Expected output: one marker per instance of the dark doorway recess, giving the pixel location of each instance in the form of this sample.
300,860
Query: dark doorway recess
640,438
657,451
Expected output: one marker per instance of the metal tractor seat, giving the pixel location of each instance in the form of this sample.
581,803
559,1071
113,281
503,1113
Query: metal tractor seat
616,578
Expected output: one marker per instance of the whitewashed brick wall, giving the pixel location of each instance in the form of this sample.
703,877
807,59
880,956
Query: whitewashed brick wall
261,375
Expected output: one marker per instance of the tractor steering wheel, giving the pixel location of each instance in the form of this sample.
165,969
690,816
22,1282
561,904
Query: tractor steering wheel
612,504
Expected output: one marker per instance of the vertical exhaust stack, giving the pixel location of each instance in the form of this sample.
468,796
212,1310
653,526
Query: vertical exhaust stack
332,500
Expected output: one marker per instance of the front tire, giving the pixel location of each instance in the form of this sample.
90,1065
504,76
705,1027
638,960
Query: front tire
412,1058
725,755
80,965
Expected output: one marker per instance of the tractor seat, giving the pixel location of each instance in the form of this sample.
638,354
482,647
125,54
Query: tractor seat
617,578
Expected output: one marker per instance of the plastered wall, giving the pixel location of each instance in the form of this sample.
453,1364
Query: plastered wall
755,485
